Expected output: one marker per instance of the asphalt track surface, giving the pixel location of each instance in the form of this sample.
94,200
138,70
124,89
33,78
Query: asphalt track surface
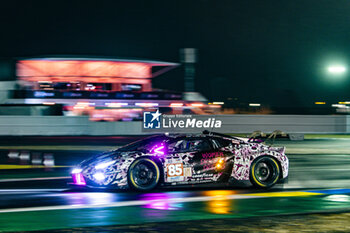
318,182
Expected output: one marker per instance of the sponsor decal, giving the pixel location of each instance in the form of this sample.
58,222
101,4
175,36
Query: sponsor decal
204,175
212,155
208,159
188,171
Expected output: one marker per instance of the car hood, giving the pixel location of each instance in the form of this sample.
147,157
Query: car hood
105,156
109,155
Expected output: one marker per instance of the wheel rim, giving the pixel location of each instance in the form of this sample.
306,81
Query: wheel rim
144,174
266,171
262,171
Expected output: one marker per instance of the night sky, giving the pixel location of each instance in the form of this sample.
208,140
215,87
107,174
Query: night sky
271,52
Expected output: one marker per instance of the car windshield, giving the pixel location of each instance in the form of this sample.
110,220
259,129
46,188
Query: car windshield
143,144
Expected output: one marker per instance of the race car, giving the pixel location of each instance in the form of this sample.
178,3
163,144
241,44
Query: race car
163,160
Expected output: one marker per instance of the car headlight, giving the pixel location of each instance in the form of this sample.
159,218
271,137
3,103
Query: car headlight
104,165
76,170
99,176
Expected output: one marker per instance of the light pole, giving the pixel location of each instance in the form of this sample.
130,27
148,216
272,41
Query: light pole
189,58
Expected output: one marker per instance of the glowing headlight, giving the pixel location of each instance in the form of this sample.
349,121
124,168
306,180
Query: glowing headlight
99,176
76,170
104,164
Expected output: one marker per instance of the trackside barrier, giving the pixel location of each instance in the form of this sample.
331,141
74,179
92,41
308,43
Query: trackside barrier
293,125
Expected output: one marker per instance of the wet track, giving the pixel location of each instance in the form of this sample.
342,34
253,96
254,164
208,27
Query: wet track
317,183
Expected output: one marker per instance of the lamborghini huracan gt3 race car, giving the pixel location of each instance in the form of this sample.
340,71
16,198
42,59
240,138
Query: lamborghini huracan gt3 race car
185,159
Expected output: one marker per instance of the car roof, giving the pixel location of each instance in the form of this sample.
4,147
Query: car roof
204,134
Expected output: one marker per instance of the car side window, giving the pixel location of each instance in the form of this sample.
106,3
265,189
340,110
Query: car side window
188,145
220,142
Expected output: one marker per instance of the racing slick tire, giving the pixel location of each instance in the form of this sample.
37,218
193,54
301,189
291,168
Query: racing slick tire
264,172
143,174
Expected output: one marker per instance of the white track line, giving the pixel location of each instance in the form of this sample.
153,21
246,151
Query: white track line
24,191
128,203
30,179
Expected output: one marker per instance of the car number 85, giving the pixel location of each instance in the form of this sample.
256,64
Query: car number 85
175,169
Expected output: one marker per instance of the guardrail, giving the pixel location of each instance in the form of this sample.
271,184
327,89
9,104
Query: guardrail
80,125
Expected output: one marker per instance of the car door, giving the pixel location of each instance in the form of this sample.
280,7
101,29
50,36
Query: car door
177,168
227,152
191,160
205,161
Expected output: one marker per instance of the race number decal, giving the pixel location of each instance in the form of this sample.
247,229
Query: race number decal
175,169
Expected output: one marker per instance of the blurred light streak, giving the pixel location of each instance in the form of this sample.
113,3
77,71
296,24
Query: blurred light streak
197,105
98,198
320,102
254,105
36,158
163,205
115,105
176,104
48,160
339,106
85,103
24,156
94,198
162,201
214,106
49,103
338,198
13,155
220,203
146,104
337,69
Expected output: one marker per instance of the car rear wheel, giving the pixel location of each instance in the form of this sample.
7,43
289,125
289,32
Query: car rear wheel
143,174
264,172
